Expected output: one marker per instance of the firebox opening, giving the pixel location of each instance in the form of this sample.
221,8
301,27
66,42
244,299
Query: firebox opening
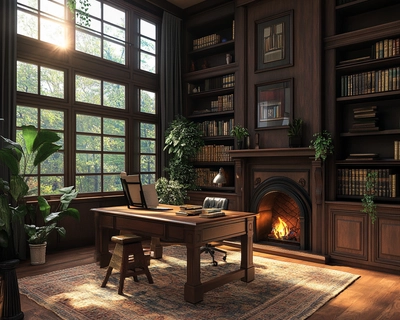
280,219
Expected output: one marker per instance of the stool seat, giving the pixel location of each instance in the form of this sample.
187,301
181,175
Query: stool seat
129,259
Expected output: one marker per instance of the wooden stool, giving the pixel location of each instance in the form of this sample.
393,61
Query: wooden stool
129,258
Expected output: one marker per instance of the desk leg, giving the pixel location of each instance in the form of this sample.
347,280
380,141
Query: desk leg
102,239
156,247
247,251
193,291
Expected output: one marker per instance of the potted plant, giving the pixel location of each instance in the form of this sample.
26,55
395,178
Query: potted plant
322,144
183,140
239,133
295,133
38,235
368,203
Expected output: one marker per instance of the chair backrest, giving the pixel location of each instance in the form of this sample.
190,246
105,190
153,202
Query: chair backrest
133,190
213,202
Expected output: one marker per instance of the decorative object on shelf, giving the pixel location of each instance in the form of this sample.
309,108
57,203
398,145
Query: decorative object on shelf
257,141
183,140
82,12
192,66
239,133
275,41
220,179
274,104
228,58
322,144
205,64
295,132
368,203
38,235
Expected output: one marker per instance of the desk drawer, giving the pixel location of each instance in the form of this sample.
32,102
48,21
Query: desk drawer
224,231
141,227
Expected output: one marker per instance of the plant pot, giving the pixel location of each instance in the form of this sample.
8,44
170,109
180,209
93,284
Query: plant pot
295,141
239,144
38,253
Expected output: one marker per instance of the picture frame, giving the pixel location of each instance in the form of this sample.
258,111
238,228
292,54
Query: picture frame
274,104
274,42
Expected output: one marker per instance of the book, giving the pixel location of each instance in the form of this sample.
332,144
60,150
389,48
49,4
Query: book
190,207
189,212
212,214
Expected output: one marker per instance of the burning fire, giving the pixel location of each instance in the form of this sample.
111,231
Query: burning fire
280,230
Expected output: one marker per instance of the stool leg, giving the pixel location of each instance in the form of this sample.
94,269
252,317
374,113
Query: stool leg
109,270
148,274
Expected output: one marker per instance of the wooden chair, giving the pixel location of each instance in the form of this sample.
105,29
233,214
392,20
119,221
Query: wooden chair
129,258
218,203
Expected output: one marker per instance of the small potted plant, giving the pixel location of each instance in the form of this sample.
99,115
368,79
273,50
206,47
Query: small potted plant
322,144
295,133
239,133
368,203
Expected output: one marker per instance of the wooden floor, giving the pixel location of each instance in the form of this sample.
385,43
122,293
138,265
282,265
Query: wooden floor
374,296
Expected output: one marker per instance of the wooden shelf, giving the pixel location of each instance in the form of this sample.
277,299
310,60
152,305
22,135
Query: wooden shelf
370,133
213,49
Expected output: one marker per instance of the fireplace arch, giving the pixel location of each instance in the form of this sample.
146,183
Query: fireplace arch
266,193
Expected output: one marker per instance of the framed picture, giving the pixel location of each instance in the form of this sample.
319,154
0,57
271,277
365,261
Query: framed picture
274,104
274,42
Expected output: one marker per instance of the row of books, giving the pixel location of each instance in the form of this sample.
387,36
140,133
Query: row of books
386,48
205,177
213,128
223,103
206,41
352,182
370,82
365,119
214,152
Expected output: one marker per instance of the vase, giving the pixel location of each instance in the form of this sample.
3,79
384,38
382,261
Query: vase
295,141
239,144
38,253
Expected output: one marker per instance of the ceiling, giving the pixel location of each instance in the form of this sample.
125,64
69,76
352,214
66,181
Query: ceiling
183,4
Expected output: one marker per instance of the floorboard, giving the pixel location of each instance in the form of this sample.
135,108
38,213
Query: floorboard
374,296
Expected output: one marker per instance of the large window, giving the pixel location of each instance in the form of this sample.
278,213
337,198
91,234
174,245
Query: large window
93,94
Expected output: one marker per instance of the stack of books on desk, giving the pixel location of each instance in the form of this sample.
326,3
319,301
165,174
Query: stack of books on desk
189,210
212,213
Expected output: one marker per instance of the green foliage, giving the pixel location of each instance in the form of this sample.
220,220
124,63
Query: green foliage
39,234
82,13
183,141
295,128
171,191
322,144
368,203
239,132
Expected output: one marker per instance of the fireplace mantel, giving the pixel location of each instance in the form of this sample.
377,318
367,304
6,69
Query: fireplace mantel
272,152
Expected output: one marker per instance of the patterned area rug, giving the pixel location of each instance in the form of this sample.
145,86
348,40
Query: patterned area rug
281,290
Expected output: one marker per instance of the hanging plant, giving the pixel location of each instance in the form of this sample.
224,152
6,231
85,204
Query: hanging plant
368,203
82,14
322,144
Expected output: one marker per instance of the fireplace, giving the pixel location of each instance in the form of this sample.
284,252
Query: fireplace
284,211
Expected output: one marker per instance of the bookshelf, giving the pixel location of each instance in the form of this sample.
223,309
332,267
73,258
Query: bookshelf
209,94
362,48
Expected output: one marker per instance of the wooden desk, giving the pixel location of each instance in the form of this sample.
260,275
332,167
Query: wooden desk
192,231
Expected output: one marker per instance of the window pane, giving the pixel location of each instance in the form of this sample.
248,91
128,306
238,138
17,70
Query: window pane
51,119
114,95
51,83
88,162
147,101
87,90
147,45
89,143
147,163
52,32
88,43
114,32
85,184
53,164
147,146
27,24
114,52
29,3
147,62
114,127
148,29
51,184
114,144
112,183
148,178
89,124
27,116
114,163
27,77
53,8
94,8
114,16
147,130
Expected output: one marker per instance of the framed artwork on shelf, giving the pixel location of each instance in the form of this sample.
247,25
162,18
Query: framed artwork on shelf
274,42
274,104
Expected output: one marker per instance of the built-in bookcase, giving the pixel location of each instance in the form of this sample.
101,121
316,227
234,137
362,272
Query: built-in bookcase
210,91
